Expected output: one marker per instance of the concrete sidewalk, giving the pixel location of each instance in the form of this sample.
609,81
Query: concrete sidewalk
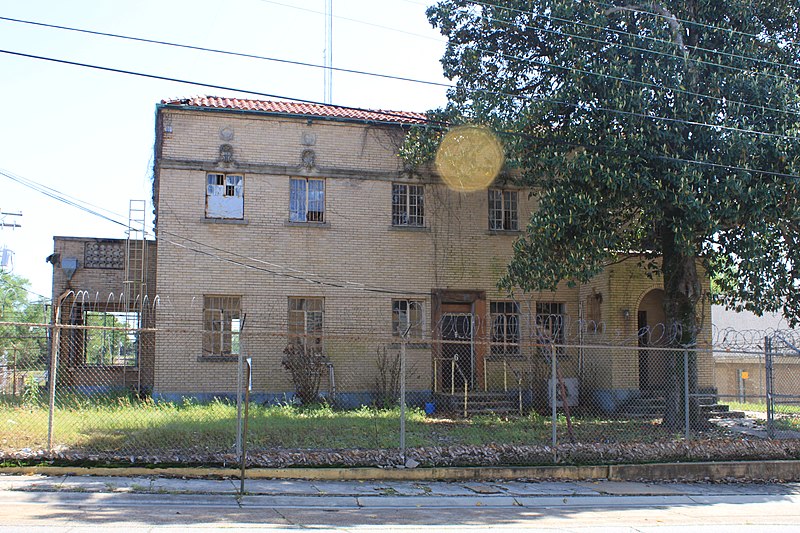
381,492
69,503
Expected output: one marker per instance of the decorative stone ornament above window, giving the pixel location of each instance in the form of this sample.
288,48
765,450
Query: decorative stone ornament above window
309,159
226,153
226,133
308,139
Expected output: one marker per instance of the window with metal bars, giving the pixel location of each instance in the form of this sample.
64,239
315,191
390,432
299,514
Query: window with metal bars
408,205
224,195
306,317
550,324
505,328
306,200
221,325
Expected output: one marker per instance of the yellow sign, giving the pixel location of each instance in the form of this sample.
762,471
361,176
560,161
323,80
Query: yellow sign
745,375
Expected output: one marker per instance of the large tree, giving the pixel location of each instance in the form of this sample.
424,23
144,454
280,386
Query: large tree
668,129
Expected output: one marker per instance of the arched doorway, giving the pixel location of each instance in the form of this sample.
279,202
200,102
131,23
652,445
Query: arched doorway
652,333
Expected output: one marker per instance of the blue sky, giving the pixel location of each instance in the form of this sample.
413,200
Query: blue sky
90,133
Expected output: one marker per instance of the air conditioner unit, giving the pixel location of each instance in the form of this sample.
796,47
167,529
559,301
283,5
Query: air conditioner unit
571,388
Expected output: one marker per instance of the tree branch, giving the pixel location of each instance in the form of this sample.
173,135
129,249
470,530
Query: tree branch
672,20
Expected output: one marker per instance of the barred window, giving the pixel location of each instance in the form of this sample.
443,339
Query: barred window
505,328
305,322
306,200
224,195
550,323
221,325
503,210
408,205
408,316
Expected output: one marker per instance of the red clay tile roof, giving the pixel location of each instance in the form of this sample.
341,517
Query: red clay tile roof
297,108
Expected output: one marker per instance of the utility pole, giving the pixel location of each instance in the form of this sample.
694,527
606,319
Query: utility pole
9,224
328,75
6,253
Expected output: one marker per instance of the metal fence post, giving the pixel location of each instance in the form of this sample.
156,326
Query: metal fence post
53,370
686,392
239,387
553,390
403,398
244,431
768,378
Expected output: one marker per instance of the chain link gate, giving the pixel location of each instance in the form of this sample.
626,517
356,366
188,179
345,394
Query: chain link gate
782,380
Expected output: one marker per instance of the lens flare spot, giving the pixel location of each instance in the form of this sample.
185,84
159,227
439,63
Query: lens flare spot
469,158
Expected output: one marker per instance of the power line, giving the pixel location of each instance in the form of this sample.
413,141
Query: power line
289,273
623,32
695,23
23,288
390,114
358,21
562,34
52,193
223,52
406,79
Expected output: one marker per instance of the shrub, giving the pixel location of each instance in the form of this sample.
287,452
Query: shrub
305,366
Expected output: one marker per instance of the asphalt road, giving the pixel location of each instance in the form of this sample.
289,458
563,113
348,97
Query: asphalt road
31,504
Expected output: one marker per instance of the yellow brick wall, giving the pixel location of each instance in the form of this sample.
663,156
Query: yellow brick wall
356,249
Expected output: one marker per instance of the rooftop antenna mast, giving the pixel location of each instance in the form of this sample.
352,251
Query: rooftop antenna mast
328,52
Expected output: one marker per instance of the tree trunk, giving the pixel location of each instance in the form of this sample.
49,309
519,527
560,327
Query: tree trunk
682,290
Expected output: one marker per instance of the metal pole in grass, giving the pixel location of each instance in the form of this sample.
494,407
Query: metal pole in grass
686,390
53,368
553,391
403,395
239,385
249,363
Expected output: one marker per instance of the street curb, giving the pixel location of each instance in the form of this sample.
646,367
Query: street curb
706,471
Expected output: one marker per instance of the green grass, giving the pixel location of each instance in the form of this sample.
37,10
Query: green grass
124,425
762,407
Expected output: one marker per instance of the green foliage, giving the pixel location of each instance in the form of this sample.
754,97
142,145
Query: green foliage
23,343
640,128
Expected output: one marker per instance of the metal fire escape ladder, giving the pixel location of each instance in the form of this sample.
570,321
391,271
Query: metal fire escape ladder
135,284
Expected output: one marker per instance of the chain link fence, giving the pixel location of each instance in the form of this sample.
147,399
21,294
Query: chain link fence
105,384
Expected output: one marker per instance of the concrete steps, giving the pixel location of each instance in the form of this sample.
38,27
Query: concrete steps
478,403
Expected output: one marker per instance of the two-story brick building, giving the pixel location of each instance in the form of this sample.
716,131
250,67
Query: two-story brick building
303,219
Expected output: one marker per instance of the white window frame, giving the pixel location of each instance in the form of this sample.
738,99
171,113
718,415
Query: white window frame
402,310
506,334
301,201
221,325
306,322
503,210
225,196
408,205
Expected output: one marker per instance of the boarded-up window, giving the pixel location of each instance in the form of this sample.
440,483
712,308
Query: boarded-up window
305,322
224,195
408,318
221,325
306,200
